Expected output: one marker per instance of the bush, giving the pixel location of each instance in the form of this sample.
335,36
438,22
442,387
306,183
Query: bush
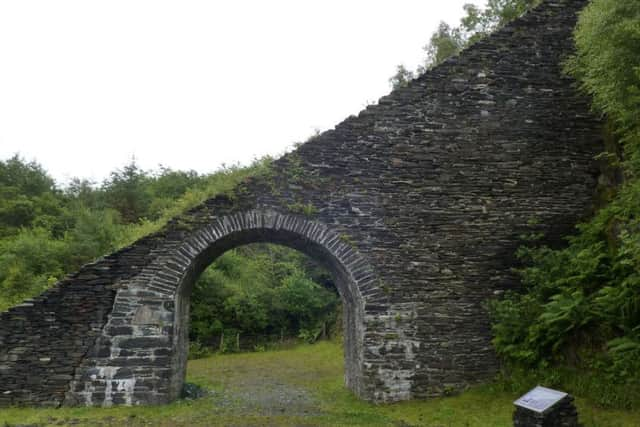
198,351
580,306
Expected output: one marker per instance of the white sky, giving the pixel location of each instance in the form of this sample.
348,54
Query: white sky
85,85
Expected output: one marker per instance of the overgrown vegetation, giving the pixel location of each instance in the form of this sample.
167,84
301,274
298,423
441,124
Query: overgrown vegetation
448,41
47,232
580,312
576,324
261,294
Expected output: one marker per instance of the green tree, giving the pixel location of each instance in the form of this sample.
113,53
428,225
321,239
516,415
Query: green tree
46,232
95,233
84,192
260,289
307,304
401,78
30,262
167,185
479,22
127,191
28,178
445,42
607,67
28,196
476,23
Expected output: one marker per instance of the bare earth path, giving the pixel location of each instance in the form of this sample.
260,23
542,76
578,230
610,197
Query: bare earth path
248,388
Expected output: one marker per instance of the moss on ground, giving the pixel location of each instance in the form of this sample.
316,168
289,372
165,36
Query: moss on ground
312,374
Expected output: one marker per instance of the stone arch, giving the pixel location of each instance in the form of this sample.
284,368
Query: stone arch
351,272
142,353
435,183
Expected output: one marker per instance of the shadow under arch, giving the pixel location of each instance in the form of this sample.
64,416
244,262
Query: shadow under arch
350,271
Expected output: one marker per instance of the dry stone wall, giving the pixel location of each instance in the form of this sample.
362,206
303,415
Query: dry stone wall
416,205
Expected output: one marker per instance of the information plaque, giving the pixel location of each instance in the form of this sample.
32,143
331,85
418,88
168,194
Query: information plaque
540,399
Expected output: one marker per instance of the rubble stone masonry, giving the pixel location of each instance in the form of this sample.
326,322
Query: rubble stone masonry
416,206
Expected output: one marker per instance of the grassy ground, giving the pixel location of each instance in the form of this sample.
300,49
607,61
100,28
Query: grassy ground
298,387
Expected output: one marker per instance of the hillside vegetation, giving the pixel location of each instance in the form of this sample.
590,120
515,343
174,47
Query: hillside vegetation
257,291
575,324
579,314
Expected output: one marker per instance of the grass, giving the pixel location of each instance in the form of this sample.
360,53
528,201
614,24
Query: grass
314,372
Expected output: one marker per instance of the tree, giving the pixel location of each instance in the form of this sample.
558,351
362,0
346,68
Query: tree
28,178
167,185
46,233
444,43
608,68
260,289
27,196
401,78
30,262
477,23
127,191
95,233
307,304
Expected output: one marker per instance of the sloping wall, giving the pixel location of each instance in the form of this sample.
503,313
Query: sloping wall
429,190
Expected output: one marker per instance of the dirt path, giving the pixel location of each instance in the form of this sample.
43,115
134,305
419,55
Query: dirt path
266,397
263,391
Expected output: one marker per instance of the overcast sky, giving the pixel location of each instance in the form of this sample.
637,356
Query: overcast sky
85,85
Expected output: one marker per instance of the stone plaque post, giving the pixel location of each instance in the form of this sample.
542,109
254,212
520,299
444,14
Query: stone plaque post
544,407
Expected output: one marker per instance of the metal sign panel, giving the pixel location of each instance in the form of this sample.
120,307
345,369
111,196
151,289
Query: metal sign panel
540,399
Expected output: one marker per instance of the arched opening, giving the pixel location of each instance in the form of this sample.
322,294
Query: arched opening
262,296
348,269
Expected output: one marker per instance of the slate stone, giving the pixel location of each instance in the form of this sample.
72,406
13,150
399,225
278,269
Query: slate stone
416,205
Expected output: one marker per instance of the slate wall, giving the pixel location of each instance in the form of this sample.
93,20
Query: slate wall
427,192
